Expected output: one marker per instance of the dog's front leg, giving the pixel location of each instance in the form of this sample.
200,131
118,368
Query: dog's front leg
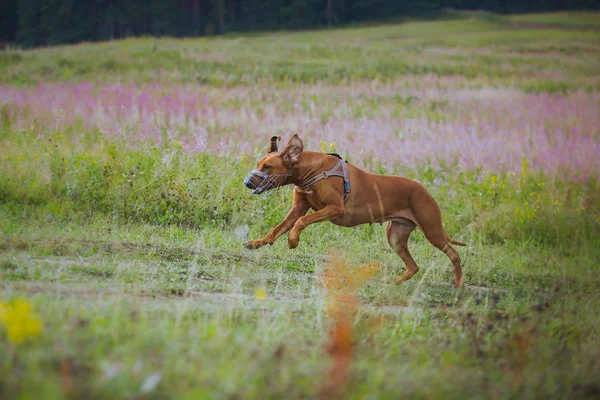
299,208
326,214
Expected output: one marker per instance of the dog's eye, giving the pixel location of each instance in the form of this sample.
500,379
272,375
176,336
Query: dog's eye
266,167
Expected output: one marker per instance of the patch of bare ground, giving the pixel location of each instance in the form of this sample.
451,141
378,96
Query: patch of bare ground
67,261
472,287
73,246
485,288
193,298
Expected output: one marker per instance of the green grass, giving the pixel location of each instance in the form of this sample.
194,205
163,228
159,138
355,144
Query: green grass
134,266
140,299
341,55
128,287
574,19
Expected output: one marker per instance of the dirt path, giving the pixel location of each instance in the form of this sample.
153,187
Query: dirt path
194,298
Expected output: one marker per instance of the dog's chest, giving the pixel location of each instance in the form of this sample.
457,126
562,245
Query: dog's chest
315,203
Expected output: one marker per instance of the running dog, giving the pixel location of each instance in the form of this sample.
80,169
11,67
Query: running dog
348,196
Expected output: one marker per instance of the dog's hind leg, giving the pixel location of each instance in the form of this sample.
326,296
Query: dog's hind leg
397,233
443,244
429,217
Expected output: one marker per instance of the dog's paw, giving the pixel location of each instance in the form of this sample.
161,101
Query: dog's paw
293,242
397,280
252,244
458,284
386,280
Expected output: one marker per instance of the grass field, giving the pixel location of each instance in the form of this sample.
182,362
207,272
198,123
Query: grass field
122,216
578,19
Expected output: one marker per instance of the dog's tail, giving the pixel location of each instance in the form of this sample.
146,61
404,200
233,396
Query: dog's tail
454,241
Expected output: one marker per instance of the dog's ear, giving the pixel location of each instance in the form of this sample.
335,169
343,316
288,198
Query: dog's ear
293,150
274,140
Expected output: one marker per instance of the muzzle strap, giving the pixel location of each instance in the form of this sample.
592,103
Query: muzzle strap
260,181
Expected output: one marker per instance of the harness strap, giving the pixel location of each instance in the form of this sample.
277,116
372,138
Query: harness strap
289,175
332,172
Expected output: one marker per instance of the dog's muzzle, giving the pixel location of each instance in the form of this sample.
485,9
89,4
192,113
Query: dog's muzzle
260,181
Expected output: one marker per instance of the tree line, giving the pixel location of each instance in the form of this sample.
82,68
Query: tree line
48,22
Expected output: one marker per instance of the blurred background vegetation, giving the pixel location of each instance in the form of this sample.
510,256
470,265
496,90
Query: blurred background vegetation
49,22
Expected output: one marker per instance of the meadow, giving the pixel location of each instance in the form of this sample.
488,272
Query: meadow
123,214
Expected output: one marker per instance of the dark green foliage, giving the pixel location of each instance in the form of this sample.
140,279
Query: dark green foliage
8,20
49,22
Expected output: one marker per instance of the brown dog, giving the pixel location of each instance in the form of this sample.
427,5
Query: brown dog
347,196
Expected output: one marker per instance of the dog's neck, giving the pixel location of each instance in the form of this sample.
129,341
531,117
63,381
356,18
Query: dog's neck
310,164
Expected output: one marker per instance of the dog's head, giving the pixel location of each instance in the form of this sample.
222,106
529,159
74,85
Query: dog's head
275,169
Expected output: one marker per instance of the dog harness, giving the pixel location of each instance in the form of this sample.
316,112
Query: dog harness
332,172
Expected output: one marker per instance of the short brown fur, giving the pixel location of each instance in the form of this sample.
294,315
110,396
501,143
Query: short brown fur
402,203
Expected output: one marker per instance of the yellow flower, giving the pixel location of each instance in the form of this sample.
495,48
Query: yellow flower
20,323
260,294
323,147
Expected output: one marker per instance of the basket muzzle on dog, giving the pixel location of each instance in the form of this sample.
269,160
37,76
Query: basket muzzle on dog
260,181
